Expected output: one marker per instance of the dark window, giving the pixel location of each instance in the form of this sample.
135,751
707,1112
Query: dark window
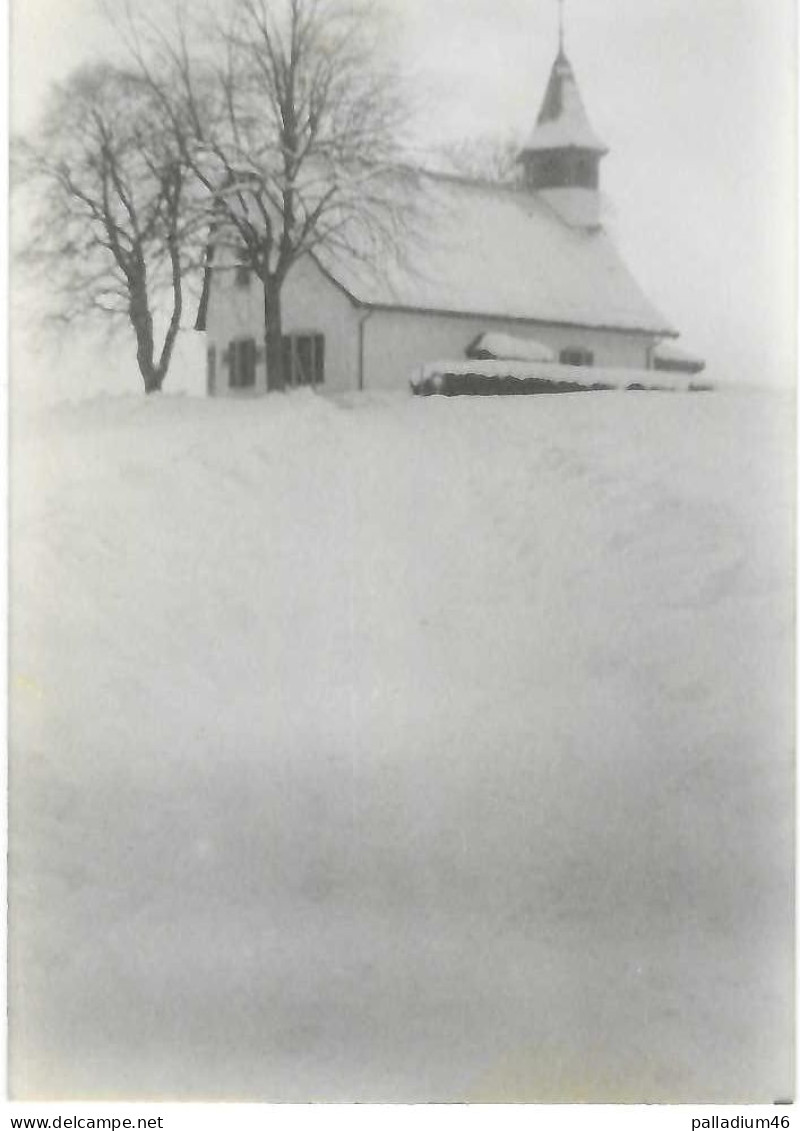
576,355
242,275
286,345
304,359
243,363
211,370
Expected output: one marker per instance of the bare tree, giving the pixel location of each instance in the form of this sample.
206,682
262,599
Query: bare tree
292,124
488,157
112,224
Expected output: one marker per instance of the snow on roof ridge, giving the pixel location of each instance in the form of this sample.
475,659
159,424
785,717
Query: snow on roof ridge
469,181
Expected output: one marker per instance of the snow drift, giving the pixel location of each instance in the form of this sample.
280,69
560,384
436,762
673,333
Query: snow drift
399,749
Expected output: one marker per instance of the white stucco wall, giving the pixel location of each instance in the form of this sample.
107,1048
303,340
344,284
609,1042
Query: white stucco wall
311,304
396,343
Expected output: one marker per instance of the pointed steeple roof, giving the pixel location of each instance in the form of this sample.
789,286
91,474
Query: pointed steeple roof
563,122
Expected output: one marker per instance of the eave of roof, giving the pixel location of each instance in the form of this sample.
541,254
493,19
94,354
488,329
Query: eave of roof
517,319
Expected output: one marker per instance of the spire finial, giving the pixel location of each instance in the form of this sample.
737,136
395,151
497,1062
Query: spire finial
561,27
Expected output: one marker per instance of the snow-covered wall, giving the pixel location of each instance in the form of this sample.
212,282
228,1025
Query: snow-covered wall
311,304
395,342
398,342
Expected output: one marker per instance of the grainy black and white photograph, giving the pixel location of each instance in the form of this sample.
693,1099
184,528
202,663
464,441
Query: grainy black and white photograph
402,532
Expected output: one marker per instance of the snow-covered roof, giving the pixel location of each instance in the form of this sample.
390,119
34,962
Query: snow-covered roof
579,207
499,251
563,122
508,346
675,355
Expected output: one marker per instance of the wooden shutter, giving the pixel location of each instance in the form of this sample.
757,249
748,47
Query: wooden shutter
304,347
319,359
248,363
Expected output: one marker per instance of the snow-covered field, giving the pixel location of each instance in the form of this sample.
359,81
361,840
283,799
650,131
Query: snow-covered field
403,749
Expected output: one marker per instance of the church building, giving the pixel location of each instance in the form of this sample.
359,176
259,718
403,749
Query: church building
530,260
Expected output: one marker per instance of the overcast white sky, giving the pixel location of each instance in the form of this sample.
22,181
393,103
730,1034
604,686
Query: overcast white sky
695,98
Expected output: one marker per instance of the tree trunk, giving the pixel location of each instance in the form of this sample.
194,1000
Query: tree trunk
175,319
142,322
273,336
153,382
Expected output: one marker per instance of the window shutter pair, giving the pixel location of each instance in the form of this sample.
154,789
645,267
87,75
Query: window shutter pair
226,355
304,359
248,362
241,358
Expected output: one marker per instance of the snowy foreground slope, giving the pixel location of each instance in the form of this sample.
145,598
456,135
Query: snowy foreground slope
395,749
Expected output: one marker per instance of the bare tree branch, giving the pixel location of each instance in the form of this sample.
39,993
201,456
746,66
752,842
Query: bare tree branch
293,127
119,225
488,157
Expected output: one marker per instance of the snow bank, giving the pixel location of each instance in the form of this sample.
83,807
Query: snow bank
403,749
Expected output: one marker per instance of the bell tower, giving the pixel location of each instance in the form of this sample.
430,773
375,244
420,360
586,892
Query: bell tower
563,151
